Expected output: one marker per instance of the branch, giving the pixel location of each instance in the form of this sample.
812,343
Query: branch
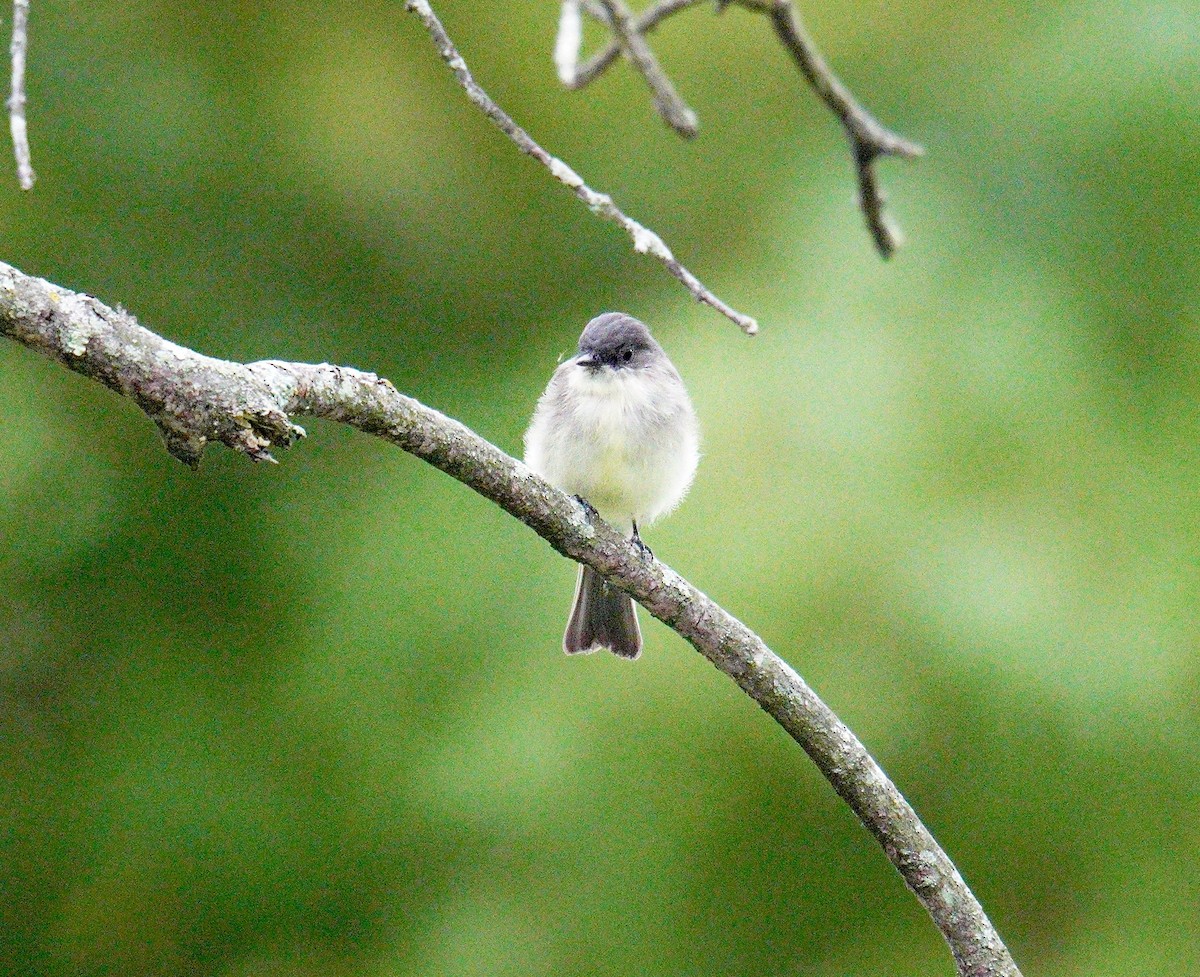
642,25
196,399
645,241
666,100
868,139
16,101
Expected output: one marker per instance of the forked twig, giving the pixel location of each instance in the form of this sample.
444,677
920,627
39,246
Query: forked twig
667,101
643,24
868,139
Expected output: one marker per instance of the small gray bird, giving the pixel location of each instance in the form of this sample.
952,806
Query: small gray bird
616,428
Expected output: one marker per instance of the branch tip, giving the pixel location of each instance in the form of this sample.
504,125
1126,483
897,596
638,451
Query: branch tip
182,446
569,42
16,100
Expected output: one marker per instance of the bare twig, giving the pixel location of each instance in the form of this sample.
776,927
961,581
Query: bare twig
645,241
642,25
666,100
868,139
16,100
196,399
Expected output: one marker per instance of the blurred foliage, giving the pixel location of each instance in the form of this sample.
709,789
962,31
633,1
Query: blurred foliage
313,719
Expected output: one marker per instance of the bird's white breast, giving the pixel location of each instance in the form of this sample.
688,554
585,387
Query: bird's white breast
625,440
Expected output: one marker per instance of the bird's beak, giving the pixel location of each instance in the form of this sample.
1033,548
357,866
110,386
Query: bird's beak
588,360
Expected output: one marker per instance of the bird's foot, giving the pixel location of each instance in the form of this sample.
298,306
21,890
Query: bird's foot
647,553
589,510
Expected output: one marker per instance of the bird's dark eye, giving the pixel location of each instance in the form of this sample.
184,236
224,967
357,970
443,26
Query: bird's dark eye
627,355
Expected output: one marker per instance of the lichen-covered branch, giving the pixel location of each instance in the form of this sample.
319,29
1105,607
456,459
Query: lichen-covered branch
645,241
196,400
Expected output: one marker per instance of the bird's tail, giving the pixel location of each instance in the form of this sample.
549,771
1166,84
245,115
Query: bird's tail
603,617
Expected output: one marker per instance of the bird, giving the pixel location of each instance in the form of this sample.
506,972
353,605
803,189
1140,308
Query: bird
616,429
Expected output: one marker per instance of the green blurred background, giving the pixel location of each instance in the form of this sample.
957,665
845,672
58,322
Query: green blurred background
314,719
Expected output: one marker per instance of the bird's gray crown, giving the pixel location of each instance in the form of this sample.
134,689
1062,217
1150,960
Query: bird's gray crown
617,339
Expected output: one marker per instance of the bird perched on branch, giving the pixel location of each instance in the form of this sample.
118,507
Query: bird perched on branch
616,429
